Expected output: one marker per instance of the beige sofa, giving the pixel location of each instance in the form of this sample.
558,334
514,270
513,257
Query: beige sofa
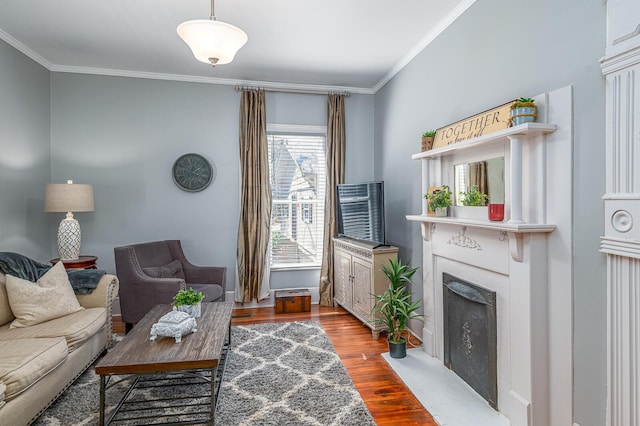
37,363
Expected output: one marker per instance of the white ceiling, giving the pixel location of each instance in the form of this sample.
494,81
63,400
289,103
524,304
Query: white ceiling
354,45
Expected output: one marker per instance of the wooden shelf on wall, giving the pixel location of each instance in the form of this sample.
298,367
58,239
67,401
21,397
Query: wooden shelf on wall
528,129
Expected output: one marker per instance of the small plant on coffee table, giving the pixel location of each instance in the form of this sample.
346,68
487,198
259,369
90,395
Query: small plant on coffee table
188,301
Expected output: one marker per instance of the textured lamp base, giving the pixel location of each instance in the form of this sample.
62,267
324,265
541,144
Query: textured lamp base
69,239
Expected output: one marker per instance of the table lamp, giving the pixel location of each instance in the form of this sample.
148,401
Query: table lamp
68,197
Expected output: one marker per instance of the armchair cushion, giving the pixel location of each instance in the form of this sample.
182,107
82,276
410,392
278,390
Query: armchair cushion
211,292
170,270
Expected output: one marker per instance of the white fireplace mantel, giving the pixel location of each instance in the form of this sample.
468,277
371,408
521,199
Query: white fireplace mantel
515,231
525,260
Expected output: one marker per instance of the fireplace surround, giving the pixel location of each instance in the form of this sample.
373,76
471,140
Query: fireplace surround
525,260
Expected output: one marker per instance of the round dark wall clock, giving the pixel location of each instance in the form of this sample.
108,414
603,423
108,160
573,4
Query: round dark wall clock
192,172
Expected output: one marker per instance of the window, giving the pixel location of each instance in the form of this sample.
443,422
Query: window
297,168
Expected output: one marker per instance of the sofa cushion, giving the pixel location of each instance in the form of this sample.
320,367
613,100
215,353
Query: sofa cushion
75,328
170,270
6,315
23,362
51,297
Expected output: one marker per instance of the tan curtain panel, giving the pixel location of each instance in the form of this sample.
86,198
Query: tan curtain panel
335,175
255,201
478,176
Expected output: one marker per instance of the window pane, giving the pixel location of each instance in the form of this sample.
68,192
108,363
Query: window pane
297,168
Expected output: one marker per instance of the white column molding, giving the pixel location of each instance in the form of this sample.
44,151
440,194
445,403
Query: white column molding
425,184
623,335
621,242
516,179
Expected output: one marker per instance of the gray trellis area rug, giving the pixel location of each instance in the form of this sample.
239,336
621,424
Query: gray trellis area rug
276,374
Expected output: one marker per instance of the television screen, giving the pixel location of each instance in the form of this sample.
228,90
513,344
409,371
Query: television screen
360,211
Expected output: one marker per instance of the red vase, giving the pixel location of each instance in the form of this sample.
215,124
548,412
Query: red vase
496,212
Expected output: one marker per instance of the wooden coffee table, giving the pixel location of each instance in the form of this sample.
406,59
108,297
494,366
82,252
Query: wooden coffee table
139,357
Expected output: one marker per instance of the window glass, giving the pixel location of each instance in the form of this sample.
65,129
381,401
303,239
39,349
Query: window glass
297,167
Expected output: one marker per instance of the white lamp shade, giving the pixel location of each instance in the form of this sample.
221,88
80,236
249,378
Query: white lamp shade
68,197
212,39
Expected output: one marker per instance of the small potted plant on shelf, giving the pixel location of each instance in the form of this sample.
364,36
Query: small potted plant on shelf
439,200
473,197
427,140
523,110
395,307
189,301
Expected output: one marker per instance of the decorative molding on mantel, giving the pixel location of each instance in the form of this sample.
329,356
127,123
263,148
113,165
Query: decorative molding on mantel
462,240
515,231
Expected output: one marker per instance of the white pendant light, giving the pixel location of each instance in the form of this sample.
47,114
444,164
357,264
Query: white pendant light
212,42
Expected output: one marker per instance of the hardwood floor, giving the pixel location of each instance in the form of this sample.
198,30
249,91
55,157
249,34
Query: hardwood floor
387,398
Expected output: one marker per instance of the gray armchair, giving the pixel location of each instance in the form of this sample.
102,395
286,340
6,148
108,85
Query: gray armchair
152,273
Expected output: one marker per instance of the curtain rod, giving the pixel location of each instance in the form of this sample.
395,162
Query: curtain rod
305,91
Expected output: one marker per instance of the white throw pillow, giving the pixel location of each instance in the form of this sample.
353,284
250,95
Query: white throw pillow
51,297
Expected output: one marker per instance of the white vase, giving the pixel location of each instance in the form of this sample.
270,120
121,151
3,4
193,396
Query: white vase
193,310
441,211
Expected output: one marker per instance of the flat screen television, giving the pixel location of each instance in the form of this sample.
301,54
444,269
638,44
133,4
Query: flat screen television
360,211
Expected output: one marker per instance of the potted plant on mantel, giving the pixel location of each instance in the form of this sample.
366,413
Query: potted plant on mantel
439,200
395,306
189,301
524,110
473,197
427,140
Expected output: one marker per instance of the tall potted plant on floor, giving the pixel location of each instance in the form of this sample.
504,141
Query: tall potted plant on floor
395,307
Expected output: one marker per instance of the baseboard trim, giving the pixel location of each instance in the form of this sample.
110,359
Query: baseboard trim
271,300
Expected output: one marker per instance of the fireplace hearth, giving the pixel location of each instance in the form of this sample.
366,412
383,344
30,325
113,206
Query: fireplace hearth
470,335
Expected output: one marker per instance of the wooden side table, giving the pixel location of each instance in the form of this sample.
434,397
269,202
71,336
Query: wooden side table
83,262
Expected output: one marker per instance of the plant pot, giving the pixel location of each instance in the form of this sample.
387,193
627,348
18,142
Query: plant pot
193,310
441,211
397,349
496,212
522,115
427,143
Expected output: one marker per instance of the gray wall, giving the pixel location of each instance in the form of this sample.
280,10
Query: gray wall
475,65
123,134
25,156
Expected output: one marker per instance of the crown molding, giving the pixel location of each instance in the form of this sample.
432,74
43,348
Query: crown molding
208,80
426,40
25,50
422,44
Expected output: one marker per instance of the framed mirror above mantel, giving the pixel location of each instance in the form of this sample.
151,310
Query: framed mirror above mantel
438,168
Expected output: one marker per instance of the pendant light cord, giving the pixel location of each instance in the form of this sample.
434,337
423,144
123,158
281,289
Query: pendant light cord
213,15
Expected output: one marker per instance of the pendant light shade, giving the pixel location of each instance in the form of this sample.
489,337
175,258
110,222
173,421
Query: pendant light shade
212,42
